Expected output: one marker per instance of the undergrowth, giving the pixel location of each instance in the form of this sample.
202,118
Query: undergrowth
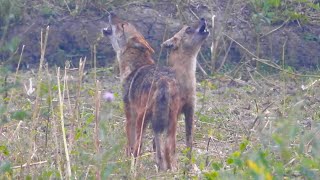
69,123
244,130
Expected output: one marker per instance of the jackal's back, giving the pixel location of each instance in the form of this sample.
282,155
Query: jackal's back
158,87
139,81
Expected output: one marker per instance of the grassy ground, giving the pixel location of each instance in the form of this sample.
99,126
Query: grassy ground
60,124
266,127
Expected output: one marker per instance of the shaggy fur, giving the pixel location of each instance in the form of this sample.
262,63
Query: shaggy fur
185,46
150,93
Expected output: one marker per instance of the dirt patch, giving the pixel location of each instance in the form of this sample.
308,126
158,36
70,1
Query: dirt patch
73,35
229,111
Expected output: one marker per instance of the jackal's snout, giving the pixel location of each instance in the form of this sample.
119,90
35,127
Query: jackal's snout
202,28
113,19
107,31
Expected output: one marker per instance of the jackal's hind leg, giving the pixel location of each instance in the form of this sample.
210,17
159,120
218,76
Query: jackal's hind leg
160,159
141,118
130,130
170,149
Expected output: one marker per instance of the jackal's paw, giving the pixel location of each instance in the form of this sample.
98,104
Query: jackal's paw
129,151
174,165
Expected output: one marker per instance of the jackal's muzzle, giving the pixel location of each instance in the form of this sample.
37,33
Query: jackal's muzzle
113,19
107,31
202,27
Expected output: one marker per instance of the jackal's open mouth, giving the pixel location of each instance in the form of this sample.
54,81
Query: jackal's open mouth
203,27
107,31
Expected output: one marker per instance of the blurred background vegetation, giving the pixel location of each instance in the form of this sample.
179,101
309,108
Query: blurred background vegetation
258,113
266,28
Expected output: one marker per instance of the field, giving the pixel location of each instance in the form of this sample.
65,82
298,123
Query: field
59,123
258,97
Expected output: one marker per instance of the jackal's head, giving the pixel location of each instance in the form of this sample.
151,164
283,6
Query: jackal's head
189,38
124,35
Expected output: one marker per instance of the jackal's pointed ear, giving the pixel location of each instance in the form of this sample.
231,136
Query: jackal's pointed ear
171,43
140,43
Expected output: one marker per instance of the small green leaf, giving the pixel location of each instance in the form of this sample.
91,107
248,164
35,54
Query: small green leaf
47,174
216,166
230,161
55,88
4,150
244,145
91,92
28,177
277,139
19,115
211,175
44,89
236,154
5,167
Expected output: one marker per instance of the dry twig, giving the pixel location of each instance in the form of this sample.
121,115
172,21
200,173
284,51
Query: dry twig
61,97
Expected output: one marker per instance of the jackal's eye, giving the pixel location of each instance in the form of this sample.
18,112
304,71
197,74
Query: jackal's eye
189,30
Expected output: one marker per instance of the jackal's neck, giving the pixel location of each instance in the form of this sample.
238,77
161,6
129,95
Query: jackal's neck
132,59
183,63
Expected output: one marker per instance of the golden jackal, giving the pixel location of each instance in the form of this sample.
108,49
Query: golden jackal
150,93
185,46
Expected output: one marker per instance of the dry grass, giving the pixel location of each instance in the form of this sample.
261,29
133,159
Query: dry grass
229,112
58,126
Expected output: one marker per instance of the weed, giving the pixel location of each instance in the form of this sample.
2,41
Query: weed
274,11
243,130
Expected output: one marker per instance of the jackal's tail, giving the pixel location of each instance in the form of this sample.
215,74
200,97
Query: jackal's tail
160,119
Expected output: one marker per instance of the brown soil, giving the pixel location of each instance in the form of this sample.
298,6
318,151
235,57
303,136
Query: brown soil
73,34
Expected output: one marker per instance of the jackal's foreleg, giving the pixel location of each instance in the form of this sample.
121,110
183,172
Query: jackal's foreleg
189,122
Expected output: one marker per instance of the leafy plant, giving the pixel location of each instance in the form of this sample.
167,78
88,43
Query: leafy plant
274,11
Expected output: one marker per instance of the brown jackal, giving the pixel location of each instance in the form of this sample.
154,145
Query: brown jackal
150,93
185,46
